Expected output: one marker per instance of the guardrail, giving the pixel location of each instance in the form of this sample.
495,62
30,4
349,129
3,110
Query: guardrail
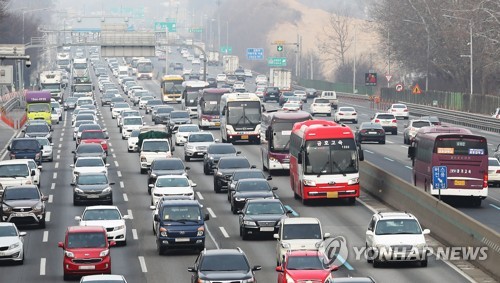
10,102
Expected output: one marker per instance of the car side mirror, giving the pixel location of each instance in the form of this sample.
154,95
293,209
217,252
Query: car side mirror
107,165
253,166
60,244
22,234
39,167
279,268
238,152
276,236
8,148
191,269
173,148
78,218
207,217
156,218
45,198
426,231
193,184
269,178
326,235
125,217
411,152
72,184
151,186
72,165
111,183
257,268
369,233
334,268
152,207
187,168
275,188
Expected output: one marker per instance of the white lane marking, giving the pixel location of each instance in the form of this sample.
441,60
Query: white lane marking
212,237
45,237
200,197
114,155
130,215
134,234
43,262
54,176
65,119
211,212
110,144
58,157
61,139
366,150
56,165
122,185
63,130
409,167
4,149
125,197
387,158
60,145
224,232
116,164
404,146
119,173
58,151
47,216
143,264
490,144
112,150
388,141
51,198
52,186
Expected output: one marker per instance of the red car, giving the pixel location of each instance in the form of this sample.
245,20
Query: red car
86,251
305,266
95,136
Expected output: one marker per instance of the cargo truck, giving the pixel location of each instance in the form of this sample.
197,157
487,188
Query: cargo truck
280,78
230,63
38,105
52,81
213,58
63,61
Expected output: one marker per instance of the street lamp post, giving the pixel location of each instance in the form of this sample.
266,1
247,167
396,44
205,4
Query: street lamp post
428,50
354,63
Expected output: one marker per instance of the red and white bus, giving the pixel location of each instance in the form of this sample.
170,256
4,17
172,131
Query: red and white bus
276,128
209,107
464,154
324,161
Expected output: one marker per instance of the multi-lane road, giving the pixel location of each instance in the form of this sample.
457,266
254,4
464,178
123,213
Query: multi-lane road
139,260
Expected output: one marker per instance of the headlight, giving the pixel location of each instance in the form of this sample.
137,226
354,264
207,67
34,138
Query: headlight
69,254
38,155
353,181
239,199
13,246
104,253
78,191
119,227
143,159
309,183
153,175
211,158
106,190
7,208
285,245
201,231
219,174
272,159
249,223
189,147
37,208
163,232
289,279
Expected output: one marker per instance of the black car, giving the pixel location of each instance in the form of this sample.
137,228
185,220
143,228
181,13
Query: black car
225,169
311,92
261,216
38,130
92,187
368,131
214,153
26,148
161,115
222,265
212,82
89,150
165,166
151,103
284,97
241,174
271,93
23,205
250,189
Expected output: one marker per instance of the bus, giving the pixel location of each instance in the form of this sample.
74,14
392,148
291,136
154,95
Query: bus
171,88
240,117
324,161
209,107
190,95
463,155
275,129
144,69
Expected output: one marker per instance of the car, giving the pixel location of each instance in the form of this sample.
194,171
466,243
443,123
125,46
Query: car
89,165
84,117
54,116
78,124
25,148
411,129
171,185
345,113
182,132
261,217
260,79
284,96
196,61
240,74
126,113
109,217
89,150
59,110
248,73
250,189
291,106
320,106
239,85
179,117
151,103
47,149
196,144
114,100
369,131
493,171
36,122
143,100
399,110
433,119
271,93
305,264
35,169
23,205
14,173
84,244
395,236
497,152
165,166
241,174
353,280
12,243
132,141
298,233
231,79
331,96
302,94
103,278
117,107
214,152
131,123
161,115
70,103
152,149
387,121
260,92
221,78
225,169
92,187
212,82
311,92
496,113
85,127
106,98
223,265
95,136
137,95
38,130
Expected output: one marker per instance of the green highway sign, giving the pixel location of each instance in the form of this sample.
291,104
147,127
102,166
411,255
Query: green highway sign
226,49
276,61
161,26
279,48
195,30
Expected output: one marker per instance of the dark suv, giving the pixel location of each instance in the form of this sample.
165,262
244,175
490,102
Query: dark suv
214,152
225,265
23,205
271,93
225,169
26,148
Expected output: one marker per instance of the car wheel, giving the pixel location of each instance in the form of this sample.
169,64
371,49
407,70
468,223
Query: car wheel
376,263
66,277
423,263
75,202
233,208
216,188
351,200
369,254
187,158
382,141
41,224
110,202
205,170
143,171
244,235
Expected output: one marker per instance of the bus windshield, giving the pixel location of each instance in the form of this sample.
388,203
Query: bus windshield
144,67
42,107
191,98
209,103
461,146
82,88
80,65
172,87
244,113
337,156
281,136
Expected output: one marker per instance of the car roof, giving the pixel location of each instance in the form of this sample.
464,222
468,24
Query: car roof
224,252
370,124
178,200
236,157
90,157
300,220
395,215
172,177
265,200
244,170
14,161
353,280
77,229
100,277
7,224
94,207
303,253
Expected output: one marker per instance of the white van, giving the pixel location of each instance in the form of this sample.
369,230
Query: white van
332,97
152,149
15,172
123,70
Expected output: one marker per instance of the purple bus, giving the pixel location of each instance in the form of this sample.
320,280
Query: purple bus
453,152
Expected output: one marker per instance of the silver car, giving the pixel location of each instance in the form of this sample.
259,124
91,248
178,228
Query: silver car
196,144
47,149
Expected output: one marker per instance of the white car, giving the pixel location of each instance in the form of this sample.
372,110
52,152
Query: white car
89,165
54,116
119,106
261,79
239,85
12,243
103,278
182,132
395,236
346,114
109,217
132,141
493,171
290,106
131,123
47,149
387,121
260,92
399,110
302,94
171,185
144,100
33,167
321,106
248,73
132,89
196,61
196,144
220,78
151,149
126,113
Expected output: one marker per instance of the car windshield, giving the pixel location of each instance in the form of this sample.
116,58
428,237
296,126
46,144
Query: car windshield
255,208
181,213
385,116
301,231
164,110
93,135
20,193
167,165
132,121
172,182
180,114
226,262
346,109
89,162
43,141
420,124
493,162
93,179
37,129
397,226
41,107
233,163
79,123
146,98
8,231
188,129
85,117
200,138
253,186
89,127
87,240
25,145
14,170
400,106
221,149
305,263
101,214
157,146
90,148
248,175
71,100
154,102
370,126
130,113
121,105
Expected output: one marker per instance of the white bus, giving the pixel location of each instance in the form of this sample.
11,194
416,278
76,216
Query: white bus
240,117
144,69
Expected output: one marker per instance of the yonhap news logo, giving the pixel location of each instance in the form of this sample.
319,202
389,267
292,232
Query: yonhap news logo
334,251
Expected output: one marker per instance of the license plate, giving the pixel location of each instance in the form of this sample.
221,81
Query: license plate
92,196
19,214
244,137
267,229
459,182
87,267
332,194
372,133
385,122
217,123
182,239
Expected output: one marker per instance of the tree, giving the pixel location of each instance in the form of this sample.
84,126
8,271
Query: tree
337,41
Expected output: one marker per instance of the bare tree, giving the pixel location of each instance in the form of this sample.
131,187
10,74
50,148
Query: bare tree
337,40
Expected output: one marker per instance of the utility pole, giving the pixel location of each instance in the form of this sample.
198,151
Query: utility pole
218,23
354,63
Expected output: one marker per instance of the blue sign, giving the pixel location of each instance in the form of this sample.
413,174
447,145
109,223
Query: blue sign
440,177
255,53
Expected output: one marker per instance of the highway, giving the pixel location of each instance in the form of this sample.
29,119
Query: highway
139,260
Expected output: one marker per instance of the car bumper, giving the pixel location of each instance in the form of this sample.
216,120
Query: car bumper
15,254
103,266
195,153
97,197
117,236
181,243
258,230
22,217
321,110
245,137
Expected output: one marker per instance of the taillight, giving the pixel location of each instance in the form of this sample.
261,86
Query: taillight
353,113
393,110
485,180
340,113
377,121
406,110
498,171
394,121
362,131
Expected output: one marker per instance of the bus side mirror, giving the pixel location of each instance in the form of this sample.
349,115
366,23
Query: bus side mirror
411,152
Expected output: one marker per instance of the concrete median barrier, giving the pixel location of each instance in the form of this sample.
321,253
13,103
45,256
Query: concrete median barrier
450,226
